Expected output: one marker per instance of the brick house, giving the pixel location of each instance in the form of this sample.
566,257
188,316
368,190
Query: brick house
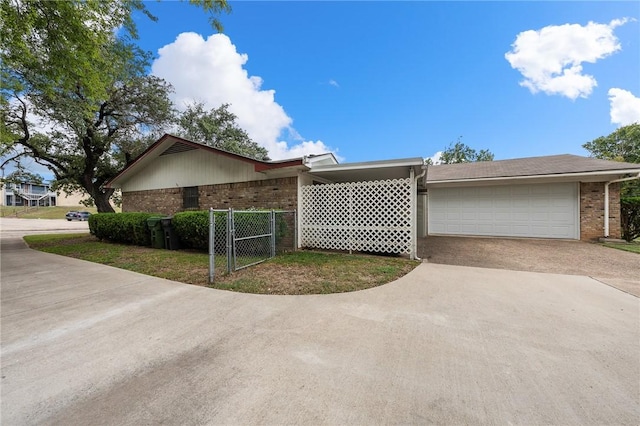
385,205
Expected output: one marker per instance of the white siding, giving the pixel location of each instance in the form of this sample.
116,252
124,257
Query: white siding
542,210
191,168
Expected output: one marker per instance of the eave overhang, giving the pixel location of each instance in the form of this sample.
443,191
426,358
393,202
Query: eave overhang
368,171
593,176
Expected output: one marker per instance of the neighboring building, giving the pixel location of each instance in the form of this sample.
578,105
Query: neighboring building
384,206
28,195
71,200
39,195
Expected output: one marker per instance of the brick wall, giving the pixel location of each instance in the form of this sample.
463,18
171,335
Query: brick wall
592,210
166,201
279,193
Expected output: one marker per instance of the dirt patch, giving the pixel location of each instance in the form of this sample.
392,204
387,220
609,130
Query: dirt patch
614,267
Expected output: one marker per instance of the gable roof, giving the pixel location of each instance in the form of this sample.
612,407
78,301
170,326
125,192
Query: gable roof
169,144
546,166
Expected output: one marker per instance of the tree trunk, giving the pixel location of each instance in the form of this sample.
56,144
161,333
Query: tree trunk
101,200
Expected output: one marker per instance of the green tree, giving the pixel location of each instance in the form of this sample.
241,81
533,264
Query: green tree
458,152
217,128
621,145
22,176
74,66
90,139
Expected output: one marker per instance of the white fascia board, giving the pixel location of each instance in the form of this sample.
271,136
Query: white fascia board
555,176
403,162
311,159
285,171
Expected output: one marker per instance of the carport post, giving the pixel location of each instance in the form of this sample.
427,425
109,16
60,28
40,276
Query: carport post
414,211
414,195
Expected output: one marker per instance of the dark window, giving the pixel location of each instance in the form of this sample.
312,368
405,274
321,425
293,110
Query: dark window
190,198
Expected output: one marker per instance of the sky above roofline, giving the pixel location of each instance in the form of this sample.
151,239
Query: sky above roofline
382,80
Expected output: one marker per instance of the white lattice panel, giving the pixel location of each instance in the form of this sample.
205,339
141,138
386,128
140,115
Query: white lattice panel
362,216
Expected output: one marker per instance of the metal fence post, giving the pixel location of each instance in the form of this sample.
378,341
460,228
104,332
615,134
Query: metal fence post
272,220
230,236
295,230
212,244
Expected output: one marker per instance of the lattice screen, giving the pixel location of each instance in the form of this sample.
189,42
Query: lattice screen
362,216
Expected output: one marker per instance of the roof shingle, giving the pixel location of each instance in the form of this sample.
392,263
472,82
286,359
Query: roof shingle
532,166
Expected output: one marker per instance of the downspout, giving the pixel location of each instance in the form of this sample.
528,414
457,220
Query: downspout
606,201
414,212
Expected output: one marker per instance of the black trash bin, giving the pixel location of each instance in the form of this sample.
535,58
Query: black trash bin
171,240
157,233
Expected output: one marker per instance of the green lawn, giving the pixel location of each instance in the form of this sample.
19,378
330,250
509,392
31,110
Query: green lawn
633,247
57,212
300,272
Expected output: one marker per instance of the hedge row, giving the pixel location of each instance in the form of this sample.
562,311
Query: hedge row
192,227
126,228
630,217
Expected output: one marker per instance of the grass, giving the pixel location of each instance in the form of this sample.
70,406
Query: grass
56,212
300,272
633,246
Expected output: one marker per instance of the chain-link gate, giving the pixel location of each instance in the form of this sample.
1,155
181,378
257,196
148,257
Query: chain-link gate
242,238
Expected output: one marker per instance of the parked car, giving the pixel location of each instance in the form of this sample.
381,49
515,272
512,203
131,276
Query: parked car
74,215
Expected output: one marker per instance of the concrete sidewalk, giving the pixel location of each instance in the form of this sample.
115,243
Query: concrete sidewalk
89,344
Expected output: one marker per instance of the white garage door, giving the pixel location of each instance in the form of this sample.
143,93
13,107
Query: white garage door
543,210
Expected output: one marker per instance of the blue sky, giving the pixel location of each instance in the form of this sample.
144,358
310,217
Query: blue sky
381,80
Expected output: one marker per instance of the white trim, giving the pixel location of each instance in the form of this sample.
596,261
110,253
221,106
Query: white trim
403,162
547,176
578,210
320,179
308,160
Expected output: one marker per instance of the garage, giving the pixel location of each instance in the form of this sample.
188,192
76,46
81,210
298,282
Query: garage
549,210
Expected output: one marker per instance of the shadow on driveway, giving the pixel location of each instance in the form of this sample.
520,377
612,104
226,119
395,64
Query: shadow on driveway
617,268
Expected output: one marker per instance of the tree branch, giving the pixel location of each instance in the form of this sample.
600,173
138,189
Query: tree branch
15,157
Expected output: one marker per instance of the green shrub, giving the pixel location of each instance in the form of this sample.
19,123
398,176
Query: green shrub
630,217
192,228
126,228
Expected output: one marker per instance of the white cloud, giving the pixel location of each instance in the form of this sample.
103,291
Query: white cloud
625,108
436,158
282,150
211,71
551,59
333,83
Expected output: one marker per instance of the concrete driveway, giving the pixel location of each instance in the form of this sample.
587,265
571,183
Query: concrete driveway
89,344
614,267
